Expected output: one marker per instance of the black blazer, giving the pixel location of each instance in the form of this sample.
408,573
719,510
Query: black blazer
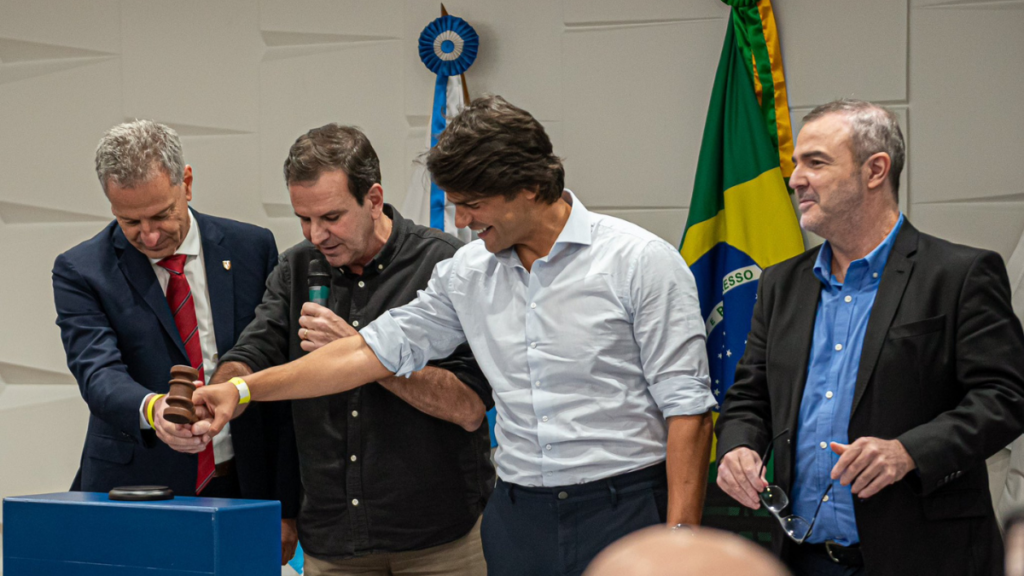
121,341
942,371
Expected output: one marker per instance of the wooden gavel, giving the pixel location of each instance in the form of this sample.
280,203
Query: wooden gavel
180,409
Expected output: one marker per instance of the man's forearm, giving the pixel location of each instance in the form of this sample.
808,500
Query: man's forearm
689,454
339,366
228,370
438,393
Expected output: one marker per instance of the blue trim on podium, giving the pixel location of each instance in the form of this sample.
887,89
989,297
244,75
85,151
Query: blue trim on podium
87,534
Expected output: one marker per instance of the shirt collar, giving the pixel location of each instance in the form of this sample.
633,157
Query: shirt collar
192,243
577,227
399,229
864,270
575,231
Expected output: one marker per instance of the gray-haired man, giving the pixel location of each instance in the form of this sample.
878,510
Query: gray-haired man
164,285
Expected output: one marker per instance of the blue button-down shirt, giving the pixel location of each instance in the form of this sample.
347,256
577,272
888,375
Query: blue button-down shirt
839,327
587,353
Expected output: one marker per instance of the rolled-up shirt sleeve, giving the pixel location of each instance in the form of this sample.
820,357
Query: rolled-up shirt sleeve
669,329
406,338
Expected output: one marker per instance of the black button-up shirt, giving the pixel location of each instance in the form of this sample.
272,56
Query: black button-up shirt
378,475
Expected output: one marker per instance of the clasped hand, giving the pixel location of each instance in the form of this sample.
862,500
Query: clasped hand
867,465
187,438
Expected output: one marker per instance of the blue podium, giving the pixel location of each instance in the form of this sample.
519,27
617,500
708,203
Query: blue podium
87,534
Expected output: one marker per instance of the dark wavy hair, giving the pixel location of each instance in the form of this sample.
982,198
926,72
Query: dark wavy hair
493,148
334,147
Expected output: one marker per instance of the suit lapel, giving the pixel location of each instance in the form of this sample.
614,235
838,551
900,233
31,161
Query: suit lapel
887,301
804,301
139,273
219,281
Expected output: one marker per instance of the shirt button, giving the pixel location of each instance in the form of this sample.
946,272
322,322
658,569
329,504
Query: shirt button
533,304
380,266
875,275
355,501
848,299
828,394
563,495
355,413
362,284
823,445
353,458
839,347
825,499
537,384
355,323
544,419
533,344
548,447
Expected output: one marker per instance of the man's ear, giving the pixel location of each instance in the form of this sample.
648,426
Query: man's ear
186,180
375,198
876,170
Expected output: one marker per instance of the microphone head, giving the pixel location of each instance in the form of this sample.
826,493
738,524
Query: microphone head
317,274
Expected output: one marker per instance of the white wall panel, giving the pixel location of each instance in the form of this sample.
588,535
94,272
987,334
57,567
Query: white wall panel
966,85
589,12
639,97
666,223
93,25
837,48
192,62
992,225
49,128
358,85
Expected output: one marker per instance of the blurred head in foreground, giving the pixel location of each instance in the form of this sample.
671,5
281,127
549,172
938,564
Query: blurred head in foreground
658,551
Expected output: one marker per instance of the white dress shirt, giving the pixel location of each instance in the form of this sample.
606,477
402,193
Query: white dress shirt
195,273
588,353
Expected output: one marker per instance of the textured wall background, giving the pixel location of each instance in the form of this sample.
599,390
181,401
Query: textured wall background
622,88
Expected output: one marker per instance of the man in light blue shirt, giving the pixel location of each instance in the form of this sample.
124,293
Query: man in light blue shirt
588,329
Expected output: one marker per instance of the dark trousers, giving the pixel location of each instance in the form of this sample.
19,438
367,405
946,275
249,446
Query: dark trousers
806,561
558,531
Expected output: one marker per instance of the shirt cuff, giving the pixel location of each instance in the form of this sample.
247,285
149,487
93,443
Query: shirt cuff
387,340
683,396
143,424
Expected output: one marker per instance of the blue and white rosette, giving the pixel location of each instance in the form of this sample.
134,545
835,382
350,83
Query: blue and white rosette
448,47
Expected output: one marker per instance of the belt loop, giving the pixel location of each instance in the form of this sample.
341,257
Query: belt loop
511,494
613,494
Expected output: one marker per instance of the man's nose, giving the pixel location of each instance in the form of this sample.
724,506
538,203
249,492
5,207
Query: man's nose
317,232
462,218
149,235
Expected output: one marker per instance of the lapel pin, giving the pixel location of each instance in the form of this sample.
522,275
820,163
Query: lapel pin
227,264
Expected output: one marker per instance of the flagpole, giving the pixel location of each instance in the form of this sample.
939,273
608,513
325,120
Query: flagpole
465,89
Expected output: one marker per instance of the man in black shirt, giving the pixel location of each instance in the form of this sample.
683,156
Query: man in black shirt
395,474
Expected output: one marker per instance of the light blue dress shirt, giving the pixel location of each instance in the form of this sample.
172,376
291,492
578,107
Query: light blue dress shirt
588,353
839,328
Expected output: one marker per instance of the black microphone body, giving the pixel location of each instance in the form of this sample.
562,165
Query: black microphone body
319,281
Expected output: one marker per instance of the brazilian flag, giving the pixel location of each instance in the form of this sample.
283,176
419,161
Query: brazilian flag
741,218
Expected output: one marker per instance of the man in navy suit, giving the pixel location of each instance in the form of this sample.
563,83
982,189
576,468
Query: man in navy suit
159,286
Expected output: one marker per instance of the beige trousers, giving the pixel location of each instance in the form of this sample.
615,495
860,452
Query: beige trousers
463,557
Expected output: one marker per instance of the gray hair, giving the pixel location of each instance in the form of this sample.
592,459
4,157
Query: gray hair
873,129
128,154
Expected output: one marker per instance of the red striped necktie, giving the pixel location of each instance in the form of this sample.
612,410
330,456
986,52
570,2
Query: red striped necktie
179,297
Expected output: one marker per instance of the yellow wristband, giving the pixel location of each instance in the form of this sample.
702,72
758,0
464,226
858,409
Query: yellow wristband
149,409
243,390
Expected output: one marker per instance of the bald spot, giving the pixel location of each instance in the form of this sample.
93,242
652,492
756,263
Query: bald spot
658,551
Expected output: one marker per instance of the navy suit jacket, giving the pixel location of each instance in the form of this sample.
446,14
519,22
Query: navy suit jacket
121,341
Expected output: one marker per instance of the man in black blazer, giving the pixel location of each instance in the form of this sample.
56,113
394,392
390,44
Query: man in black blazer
122,336
888,364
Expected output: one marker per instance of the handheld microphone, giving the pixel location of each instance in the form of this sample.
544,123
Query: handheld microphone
319,282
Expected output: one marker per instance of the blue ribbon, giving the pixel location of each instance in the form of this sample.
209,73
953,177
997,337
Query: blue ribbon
438,121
